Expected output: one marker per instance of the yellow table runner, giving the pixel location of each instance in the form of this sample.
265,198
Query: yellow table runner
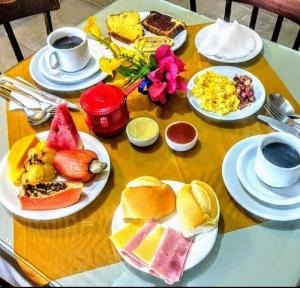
80,242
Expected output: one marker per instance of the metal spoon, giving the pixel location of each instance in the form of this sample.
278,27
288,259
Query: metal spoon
282,105
33,117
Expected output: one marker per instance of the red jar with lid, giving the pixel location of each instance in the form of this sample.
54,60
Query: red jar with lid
106,109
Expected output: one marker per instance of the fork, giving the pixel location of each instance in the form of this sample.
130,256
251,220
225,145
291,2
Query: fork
279,116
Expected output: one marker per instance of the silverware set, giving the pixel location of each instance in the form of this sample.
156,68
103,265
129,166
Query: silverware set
47,102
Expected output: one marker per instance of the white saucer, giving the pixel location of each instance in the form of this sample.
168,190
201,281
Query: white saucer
203,33
242,197
257,188
38,77
97,51
179,39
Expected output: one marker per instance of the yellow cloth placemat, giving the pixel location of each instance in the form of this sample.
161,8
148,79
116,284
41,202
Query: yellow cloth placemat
80,242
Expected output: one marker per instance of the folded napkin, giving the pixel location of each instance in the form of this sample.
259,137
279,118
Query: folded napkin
228,41
27,101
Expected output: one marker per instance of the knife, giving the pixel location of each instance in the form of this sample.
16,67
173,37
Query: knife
28,88
279,126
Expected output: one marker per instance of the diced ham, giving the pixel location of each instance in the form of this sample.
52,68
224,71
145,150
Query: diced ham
170,256
135,242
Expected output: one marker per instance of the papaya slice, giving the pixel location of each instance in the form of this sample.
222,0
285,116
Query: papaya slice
49,195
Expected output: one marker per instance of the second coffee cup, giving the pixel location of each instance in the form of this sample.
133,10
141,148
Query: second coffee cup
68,49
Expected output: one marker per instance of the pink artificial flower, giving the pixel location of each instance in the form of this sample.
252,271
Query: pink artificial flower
165,79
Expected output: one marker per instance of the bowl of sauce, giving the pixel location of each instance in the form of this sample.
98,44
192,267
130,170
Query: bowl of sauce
277,160
142,131
181,136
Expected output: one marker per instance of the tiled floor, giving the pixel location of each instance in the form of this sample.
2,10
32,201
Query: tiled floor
31,34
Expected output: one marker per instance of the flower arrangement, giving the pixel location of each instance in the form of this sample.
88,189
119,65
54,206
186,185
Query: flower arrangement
159,72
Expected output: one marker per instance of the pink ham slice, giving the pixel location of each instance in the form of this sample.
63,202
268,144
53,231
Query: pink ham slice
170,256
135,242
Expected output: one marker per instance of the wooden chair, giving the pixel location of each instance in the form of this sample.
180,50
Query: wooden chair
289,9
11,10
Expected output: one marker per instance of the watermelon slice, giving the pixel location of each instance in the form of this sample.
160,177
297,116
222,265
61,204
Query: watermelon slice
49,195
63,133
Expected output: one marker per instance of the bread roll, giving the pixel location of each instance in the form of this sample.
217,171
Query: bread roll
147,197
197,207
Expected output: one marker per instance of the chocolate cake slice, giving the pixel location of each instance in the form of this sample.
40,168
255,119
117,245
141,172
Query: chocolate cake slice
163,25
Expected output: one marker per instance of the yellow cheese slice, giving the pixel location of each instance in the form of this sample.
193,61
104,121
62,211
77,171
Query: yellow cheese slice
145,251
124,235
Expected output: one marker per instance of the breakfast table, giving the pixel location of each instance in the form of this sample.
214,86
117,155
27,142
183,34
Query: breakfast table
76,250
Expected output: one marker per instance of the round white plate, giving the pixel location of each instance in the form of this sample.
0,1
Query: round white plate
179,39
229,71
97,51
257,188
202,244
9,192
38,77
242,197
203,33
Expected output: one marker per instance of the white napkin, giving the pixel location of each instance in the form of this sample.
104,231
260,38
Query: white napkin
27,101
228,41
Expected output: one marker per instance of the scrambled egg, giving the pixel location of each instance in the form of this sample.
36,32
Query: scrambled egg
216,93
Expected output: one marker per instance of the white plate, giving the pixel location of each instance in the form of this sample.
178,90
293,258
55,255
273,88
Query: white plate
202,245
97,51
179,39
203,33
229,71
9,192
257,188
242,197
38,77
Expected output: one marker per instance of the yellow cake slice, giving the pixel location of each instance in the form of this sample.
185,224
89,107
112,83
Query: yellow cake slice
125,27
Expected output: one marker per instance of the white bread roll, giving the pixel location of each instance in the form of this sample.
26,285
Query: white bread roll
147,197
197,207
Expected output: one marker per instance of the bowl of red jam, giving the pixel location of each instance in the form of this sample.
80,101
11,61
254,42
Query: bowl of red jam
181,136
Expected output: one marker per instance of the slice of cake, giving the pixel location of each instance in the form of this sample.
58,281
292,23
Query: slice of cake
163,25
125,27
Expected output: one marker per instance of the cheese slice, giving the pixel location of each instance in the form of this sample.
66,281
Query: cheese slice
124,235
145,251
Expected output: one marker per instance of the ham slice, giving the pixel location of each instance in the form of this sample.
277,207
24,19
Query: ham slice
127,251
170,256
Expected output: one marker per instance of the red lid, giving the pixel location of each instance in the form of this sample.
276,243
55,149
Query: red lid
102,99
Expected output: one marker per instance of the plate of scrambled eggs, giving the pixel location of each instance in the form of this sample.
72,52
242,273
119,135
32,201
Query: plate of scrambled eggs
213,93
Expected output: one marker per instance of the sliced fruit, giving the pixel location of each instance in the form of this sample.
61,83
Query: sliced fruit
63,132
49,195
18,155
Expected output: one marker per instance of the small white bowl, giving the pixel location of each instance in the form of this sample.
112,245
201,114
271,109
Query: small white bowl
181,146
143,142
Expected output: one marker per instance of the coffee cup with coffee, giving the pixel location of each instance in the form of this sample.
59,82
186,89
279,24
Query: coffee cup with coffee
277,160
68,49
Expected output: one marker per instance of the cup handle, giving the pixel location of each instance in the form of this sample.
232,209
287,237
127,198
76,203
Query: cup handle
52,60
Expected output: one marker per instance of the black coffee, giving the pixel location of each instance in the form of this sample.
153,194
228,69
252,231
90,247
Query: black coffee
67,42
282,155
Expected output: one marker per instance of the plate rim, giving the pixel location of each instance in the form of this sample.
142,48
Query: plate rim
242,178
214,233
48,213
250,56
216,116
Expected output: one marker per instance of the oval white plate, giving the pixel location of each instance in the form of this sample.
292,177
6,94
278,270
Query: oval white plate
229,71
97,51
40,79
242,197
202,245
268,194
203,33
179,39
9,192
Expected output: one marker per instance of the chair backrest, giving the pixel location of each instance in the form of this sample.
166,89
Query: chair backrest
11,10
289,9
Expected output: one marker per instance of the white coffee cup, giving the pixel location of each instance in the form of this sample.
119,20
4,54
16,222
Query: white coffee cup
271,174
70,59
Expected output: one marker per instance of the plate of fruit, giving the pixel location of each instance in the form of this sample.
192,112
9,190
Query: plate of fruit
55,173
